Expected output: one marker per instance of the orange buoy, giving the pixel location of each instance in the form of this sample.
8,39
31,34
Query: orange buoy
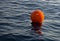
37,16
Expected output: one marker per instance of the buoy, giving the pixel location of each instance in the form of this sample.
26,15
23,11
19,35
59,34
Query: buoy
37,16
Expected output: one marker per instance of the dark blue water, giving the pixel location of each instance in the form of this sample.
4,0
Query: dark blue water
15,23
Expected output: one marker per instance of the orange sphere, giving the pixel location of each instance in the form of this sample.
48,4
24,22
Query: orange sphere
37,16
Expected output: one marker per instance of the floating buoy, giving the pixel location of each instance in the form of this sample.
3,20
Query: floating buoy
37,16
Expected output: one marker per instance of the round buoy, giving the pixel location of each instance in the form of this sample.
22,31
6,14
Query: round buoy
37,16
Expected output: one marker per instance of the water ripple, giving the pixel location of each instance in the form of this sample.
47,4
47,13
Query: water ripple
15,20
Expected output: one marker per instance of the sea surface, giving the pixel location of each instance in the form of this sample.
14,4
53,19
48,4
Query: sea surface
15,23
